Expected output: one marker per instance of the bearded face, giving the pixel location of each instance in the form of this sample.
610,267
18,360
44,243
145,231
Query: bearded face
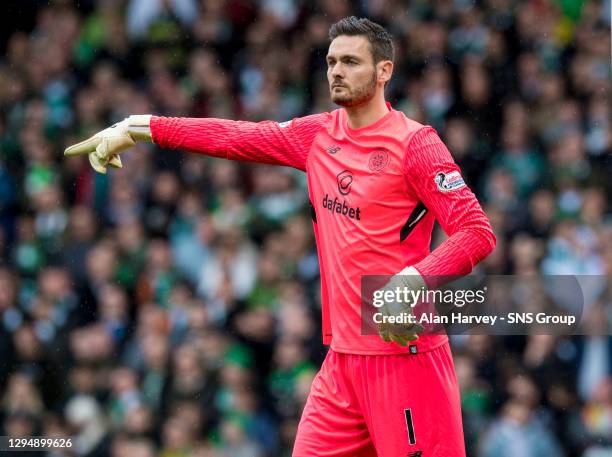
351,71
356,94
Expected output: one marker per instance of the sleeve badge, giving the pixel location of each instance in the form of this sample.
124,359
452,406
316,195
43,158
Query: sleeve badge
447,182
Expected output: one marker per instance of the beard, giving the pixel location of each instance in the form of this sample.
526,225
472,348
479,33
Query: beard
357,96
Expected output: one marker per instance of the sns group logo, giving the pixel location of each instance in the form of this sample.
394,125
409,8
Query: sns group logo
345,179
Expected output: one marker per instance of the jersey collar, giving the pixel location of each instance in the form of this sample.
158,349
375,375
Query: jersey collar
367,128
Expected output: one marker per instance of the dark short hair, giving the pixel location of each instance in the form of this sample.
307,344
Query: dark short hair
381,42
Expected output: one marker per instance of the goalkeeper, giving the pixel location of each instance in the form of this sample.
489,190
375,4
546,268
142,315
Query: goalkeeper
377,181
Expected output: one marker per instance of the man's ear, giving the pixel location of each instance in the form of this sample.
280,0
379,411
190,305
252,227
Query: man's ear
384,70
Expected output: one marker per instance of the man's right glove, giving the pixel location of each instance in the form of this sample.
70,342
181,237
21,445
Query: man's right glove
402,334
104,147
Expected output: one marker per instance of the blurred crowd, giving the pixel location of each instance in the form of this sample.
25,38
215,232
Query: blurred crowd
172,307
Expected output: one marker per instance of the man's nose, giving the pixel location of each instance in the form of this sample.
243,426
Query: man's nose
336,71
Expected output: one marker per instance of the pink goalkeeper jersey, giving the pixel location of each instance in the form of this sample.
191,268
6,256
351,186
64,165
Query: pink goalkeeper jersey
375,193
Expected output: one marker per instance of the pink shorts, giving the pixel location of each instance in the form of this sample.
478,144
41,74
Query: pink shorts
404,405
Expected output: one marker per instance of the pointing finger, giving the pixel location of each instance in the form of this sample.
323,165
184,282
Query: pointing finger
84,147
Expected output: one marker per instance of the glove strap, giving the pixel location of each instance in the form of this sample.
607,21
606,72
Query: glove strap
139,127
411,277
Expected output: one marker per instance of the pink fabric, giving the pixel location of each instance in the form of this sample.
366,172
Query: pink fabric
363,186
263,142
357,407
457,211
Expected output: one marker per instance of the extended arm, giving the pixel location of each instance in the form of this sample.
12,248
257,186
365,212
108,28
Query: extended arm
262,142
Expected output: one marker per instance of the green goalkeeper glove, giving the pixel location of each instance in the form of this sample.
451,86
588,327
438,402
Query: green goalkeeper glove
401,333
104,147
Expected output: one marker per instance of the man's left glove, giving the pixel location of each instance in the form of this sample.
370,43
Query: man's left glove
408,279
104,147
